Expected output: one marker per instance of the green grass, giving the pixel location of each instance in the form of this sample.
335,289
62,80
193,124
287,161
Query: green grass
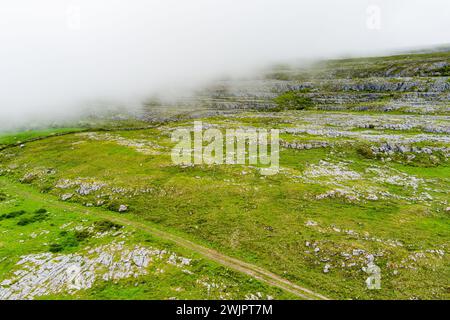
20,240
260,220
8,138
293,100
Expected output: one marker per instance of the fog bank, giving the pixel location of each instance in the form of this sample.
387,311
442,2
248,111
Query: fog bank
58,58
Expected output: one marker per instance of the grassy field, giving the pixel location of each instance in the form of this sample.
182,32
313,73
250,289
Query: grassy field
32,224
23,136
289,223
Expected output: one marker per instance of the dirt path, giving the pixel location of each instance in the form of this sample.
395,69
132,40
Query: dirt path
230,262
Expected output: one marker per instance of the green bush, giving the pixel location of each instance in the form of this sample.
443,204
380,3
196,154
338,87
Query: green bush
106,225
55,247
293,100
70,240
39,215
81,235
365,151
12,215
444,71
425,160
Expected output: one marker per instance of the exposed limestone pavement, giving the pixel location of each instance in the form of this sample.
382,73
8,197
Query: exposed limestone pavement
230,262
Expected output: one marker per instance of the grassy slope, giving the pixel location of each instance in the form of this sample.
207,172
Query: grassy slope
24,136
19,240
259,220
264,220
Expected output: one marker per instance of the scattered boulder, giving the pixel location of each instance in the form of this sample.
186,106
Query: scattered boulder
66,196
311,223
28,177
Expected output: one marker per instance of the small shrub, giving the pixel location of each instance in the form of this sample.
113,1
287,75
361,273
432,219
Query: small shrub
81,235
12,215
293,100
24,221
55,247
444,71
113,206
425,160
39,215
365,151
106,225
70,240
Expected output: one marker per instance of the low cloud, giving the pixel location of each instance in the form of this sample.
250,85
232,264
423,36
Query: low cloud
59,58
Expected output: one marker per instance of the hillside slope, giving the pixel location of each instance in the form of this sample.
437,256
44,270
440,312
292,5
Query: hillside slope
364,178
